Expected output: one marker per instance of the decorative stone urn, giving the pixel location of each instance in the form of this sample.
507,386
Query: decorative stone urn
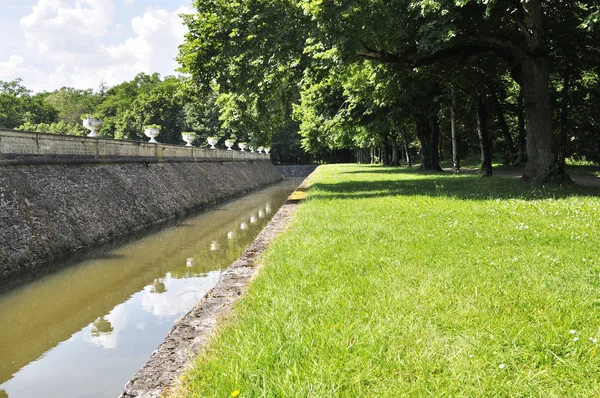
152,132
212,141
267,150
242,146
189,138
92,124
251,149
260,149
229,144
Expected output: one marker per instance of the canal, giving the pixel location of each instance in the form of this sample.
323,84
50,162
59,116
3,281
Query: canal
85,329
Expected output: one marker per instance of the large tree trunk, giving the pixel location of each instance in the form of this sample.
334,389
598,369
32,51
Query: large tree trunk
511,153
484,137
542,162
428,131
455,157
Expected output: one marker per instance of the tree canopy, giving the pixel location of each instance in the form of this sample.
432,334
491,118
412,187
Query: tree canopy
357,73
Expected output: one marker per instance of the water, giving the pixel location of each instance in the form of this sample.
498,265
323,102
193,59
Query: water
86,329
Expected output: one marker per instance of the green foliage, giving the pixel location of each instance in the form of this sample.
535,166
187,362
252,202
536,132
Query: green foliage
71,103
61,127
253,51
18,106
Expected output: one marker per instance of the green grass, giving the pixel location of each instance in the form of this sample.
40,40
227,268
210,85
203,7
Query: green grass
391,283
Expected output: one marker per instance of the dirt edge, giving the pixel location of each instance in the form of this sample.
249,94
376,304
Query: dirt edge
192,332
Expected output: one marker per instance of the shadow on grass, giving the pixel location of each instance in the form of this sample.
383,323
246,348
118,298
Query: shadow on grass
389,170
464,187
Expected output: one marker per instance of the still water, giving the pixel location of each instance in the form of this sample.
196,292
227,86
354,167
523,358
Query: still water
85,330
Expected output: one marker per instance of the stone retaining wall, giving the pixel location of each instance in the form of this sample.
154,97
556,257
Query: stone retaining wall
63,197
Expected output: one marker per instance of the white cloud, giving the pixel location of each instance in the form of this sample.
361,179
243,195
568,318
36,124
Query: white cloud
158,33
16,67
56,28
67,44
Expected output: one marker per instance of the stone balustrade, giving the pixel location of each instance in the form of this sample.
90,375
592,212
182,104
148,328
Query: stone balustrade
25,147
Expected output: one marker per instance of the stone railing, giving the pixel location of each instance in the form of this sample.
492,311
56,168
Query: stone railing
24,147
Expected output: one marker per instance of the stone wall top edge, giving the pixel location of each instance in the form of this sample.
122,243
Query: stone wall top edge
178,151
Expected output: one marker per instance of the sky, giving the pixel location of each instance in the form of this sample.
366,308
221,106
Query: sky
78,43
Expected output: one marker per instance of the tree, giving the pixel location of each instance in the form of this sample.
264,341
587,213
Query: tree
71,103
13,95
426,32
252,52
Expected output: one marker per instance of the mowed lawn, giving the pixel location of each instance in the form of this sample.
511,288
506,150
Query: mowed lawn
392,283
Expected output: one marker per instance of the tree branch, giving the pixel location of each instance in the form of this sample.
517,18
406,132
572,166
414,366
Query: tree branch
481,45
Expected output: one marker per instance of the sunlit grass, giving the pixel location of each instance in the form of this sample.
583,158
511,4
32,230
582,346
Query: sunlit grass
391,283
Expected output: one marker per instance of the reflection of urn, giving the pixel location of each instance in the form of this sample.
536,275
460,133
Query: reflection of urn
158,287
229,144
214,246
230,235
252,219
152,133
243,226
190,262
261,214
92,124
212,141
268,208
101,326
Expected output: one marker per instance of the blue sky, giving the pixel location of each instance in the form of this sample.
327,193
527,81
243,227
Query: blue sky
77,43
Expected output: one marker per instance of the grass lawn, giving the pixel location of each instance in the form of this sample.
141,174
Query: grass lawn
392,283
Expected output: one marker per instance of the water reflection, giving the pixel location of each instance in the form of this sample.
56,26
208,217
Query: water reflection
158,286
85,330
101,326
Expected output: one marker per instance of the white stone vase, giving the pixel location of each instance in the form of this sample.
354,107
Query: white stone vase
212,142
92,124
260,149
188,138
267,150
242,146
152,133
229,144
